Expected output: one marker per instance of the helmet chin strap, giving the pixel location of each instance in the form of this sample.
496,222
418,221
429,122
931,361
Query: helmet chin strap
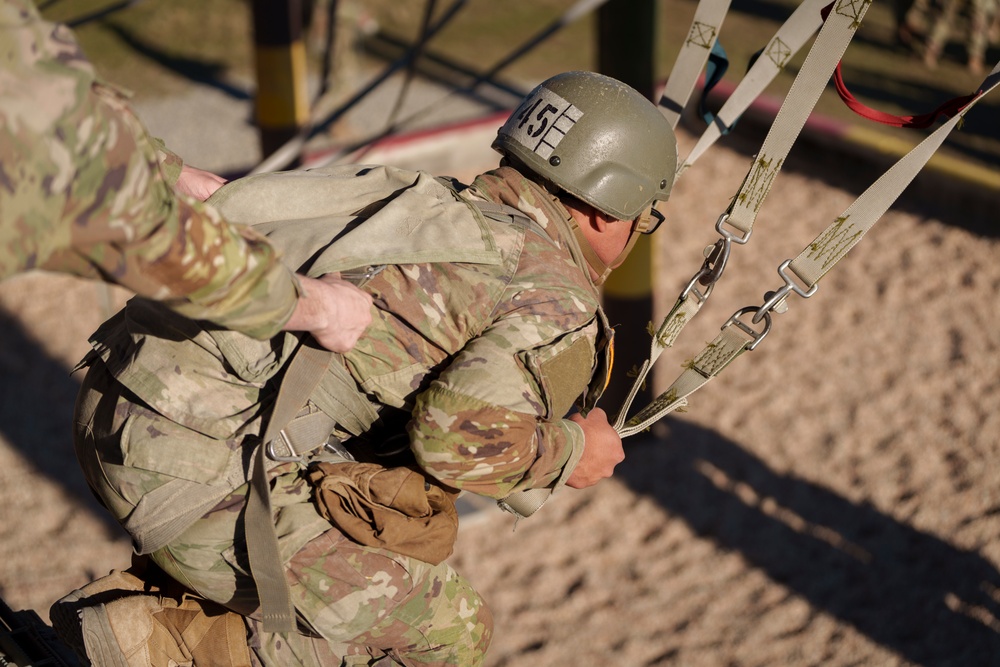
620,259
596,264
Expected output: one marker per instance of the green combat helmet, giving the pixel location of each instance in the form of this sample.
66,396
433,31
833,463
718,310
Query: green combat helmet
596,138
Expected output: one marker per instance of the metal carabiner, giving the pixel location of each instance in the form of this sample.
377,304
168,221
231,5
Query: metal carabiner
711,270
715,262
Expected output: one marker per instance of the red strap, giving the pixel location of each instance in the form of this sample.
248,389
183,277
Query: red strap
948,109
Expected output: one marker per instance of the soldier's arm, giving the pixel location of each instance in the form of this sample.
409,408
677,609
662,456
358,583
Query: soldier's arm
601,453
90,193
334,311
489,425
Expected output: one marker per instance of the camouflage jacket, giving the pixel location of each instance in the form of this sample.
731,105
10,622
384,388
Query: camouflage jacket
82,190
486,338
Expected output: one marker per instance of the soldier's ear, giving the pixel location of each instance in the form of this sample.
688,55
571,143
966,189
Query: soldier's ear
598,220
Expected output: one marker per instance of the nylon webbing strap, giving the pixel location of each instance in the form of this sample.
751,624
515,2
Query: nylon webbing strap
812,264
794,32
524,503
836,33
691,60
838,29
301,378
727,346
686,307
850,227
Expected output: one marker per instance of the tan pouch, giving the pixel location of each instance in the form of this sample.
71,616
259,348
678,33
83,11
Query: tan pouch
398,509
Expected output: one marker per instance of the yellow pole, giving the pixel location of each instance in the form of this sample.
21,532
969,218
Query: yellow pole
282,102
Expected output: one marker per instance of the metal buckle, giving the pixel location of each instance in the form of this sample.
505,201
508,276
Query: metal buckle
757,336
715,262
773,299
692,289
271,454
724,233
711,270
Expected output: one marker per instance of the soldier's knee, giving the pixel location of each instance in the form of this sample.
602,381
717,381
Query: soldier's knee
457,631
473,627
484,634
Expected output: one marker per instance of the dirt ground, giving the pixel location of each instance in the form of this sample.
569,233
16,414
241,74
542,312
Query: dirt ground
831,499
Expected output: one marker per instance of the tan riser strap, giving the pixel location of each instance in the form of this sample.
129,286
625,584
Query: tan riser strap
836,33
816,259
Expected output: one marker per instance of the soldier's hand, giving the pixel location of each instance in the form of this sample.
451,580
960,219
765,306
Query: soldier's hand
334,311
198,183
602,450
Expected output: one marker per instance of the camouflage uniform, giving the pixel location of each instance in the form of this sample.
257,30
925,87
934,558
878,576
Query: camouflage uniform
82,191
462,348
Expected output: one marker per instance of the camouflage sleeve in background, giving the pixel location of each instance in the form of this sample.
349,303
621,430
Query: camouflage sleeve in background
171,163
82,191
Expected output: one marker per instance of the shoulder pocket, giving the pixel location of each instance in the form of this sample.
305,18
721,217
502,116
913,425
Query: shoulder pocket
562,371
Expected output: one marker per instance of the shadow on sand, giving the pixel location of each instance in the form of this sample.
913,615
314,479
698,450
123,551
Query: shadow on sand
37,395
909,591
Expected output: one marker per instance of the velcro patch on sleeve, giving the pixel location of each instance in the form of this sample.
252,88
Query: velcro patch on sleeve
564,376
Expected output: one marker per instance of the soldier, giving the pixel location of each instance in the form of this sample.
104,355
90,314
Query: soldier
488,330
937,23
83,190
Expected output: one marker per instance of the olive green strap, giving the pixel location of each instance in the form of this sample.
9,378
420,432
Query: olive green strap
736,224
301,378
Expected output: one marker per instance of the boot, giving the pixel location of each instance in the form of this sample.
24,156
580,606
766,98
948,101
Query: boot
119,621
65,613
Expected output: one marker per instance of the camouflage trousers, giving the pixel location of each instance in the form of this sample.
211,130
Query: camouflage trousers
356,605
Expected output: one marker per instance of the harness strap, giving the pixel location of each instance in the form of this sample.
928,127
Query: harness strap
305,433
815,260
301,378
692,58
793,33
836,33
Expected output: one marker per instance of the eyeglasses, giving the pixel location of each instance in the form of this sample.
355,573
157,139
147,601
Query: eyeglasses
649,220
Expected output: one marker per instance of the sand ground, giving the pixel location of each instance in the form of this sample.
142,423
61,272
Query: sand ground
831,499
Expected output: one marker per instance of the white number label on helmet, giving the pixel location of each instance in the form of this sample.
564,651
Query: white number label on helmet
542,121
